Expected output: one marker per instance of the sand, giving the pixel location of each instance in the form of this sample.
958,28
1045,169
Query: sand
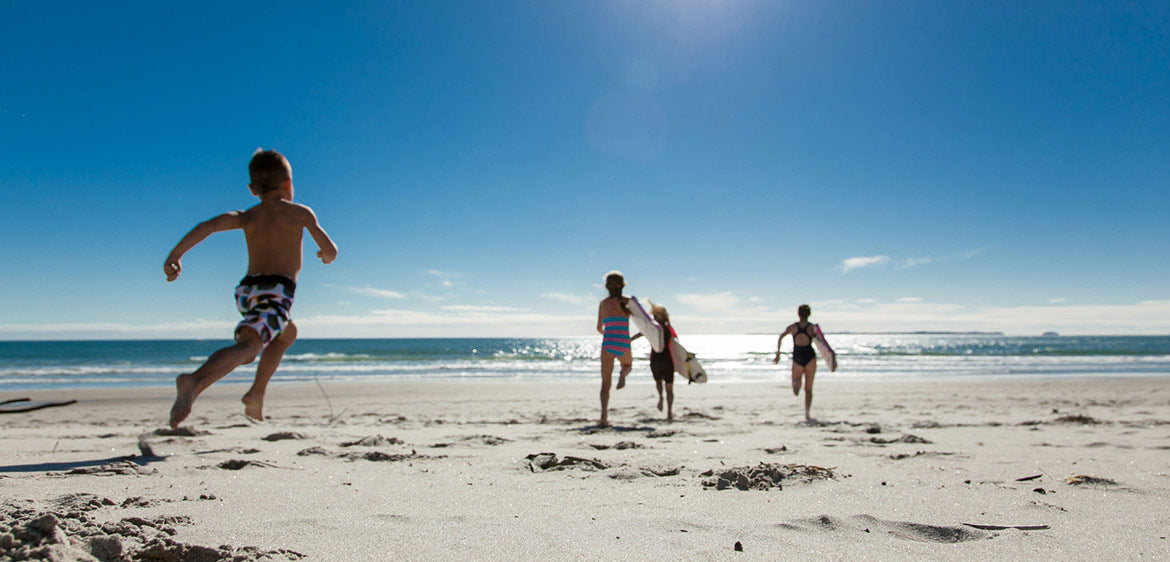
906,469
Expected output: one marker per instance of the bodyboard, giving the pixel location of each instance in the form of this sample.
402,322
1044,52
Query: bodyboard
823,347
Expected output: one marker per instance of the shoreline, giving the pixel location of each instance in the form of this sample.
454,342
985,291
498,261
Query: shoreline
778,379
442,470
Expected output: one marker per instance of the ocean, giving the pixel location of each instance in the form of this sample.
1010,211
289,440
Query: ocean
29,365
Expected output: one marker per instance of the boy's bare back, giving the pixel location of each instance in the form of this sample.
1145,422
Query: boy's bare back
273,231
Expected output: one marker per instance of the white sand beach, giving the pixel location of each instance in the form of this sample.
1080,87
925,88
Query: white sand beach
906,469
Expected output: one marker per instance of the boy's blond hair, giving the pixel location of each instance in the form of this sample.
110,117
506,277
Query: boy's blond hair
659,313
268,170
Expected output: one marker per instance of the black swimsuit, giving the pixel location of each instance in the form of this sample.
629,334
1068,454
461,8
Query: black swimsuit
803,354
661,364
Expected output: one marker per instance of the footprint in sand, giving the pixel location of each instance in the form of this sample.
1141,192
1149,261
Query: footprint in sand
881,529
180,432
373,441
620,446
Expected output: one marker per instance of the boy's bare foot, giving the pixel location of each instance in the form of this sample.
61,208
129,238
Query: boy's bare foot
603,423
253,408
670,417
184,397
621,380
659,403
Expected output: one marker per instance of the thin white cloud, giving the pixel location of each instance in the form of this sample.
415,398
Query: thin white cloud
709,301
444,278
379,293
975,252
1144,317
563,297
915,262
908,299
860,262
447,323
1057,300
478,308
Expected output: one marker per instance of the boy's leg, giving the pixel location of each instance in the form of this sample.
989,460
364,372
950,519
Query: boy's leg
627,362
269,360
606,380
222,362
669,401
658,385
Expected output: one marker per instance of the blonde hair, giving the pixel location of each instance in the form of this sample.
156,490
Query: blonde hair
659,313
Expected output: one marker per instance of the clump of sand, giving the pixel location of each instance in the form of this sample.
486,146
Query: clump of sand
1088,480
71,534
765,476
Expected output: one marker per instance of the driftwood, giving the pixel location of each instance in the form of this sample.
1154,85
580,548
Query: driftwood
30,407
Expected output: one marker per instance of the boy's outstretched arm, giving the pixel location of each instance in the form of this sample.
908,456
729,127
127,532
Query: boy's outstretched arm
326,249
172,267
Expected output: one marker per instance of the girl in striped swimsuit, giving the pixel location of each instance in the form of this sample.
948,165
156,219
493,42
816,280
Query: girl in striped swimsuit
613,322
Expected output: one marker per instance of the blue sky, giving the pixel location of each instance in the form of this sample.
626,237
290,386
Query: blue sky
899,165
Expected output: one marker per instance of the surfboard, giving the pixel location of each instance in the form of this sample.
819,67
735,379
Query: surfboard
695,371
685,363
823,348
646,324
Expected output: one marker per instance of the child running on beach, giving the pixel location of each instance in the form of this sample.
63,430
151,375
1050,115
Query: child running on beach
661,363
272,230
804,359
613,322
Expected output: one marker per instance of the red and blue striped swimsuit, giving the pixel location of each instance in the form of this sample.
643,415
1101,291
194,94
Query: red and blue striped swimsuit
615,335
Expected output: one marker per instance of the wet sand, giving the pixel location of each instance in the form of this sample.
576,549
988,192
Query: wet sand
969,470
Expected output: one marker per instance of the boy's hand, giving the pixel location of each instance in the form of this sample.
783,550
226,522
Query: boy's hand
327,256
172,268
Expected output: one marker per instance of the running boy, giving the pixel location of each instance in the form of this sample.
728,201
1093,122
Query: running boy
272,230
661,362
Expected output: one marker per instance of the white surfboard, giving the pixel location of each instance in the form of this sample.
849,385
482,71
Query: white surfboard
646,324
827,354
685,363
694,371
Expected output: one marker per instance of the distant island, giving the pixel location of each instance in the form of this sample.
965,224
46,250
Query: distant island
1050,335
919,333
927,333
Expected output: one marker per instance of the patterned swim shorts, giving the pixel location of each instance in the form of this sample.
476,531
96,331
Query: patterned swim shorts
265,301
